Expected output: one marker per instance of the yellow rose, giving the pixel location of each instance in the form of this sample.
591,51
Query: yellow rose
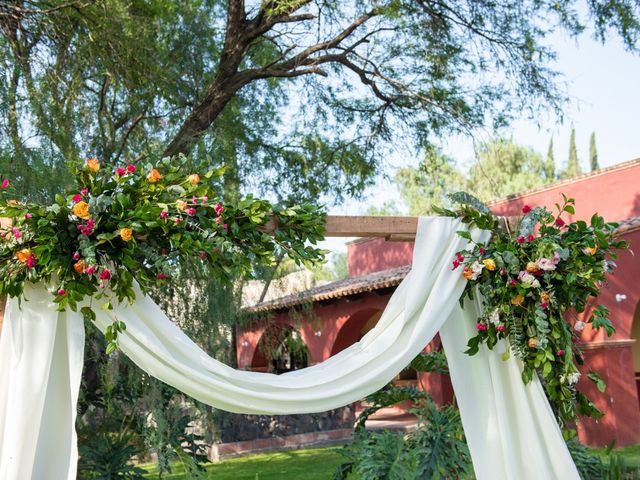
517,300
545,297
532,267
154,176
182,205
590,250
80,266
194,179
93,164
533,342
489,264
126,234
23,255
81,210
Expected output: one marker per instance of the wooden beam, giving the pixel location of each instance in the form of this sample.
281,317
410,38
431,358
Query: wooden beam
371,226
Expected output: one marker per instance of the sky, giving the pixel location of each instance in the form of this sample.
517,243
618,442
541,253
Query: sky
603,82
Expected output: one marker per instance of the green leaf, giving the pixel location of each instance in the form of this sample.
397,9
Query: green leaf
597,379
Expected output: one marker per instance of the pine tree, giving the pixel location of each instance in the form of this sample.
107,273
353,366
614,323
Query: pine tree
573,165
550,164
593,153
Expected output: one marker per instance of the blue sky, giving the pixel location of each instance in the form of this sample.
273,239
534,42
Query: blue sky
604,83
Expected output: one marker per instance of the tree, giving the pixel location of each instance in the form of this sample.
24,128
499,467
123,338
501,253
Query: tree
573,164
593,153
301,94
550,164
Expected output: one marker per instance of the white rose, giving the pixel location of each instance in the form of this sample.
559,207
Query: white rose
579,326
495,317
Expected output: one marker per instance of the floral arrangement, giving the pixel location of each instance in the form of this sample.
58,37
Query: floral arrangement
140,222
533,282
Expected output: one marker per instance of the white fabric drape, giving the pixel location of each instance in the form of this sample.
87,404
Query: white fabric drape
509,426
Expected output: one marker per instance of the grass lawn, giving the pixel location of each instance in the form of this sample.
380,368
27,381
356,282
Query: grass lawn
310,464
630,455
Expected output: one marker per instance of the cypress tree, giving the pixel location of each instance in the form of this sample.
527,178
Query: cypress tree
573,165
550,164
593,153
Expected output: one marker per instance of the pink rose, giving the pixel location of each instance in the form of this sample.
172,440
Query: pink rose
120,171
162,276
482,251
91,270
544,305
163,214
218,208
105,275
559,222
218,220
205,199
520,240
456,264
513,282
194,200
530,238
501,328
76,256
481,327
16,233
84,191
131,168
76,198
460,258
61,292
178,220
27,216
526,209
191,211
560,353
31,261
225,226
5,184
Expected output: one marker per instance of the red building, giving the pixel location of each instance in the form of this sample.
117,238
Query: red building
329,318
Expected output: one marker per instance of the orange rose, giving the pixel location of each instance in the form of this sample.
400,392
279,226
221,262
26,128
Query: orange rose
489,264
93,164
81,210
532,267
126,234
517,300
590,250
80,266
194,179
182,205
23,255
154,176
467,273
533,342
545,297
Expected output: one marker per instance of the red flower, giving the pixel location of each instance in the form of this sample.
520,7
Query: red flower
482,251
61,292
544,305
76,198
91,270
84,191
191,211
105,275
162,276
205,199
501,328
460,258
530,238
76,256
218,208
456,264
225,226
526,209
513,282
178,220
520,240
131,168
481,327
31,261
560,353
204,255
27,216
5,184
120,171
559,222
163,214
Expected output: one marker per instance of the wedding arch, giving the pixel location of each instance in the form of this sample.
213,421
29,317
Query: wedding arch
496,296
510,428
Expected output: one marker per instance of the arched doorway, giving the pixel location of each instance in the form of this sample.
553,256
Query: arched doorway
635,334
280,349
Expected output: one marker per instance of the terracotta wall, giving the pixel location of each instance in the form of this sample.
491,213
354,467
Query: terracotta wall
376,254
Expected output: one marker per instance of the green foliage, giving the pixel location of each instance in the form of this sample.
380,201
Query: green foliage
593,153
138,224
573,164
108,457
436,450
528,282
434,361
550,164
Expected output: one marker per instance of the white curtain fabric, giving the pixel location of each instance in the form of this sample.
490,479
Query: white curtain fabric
510,427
